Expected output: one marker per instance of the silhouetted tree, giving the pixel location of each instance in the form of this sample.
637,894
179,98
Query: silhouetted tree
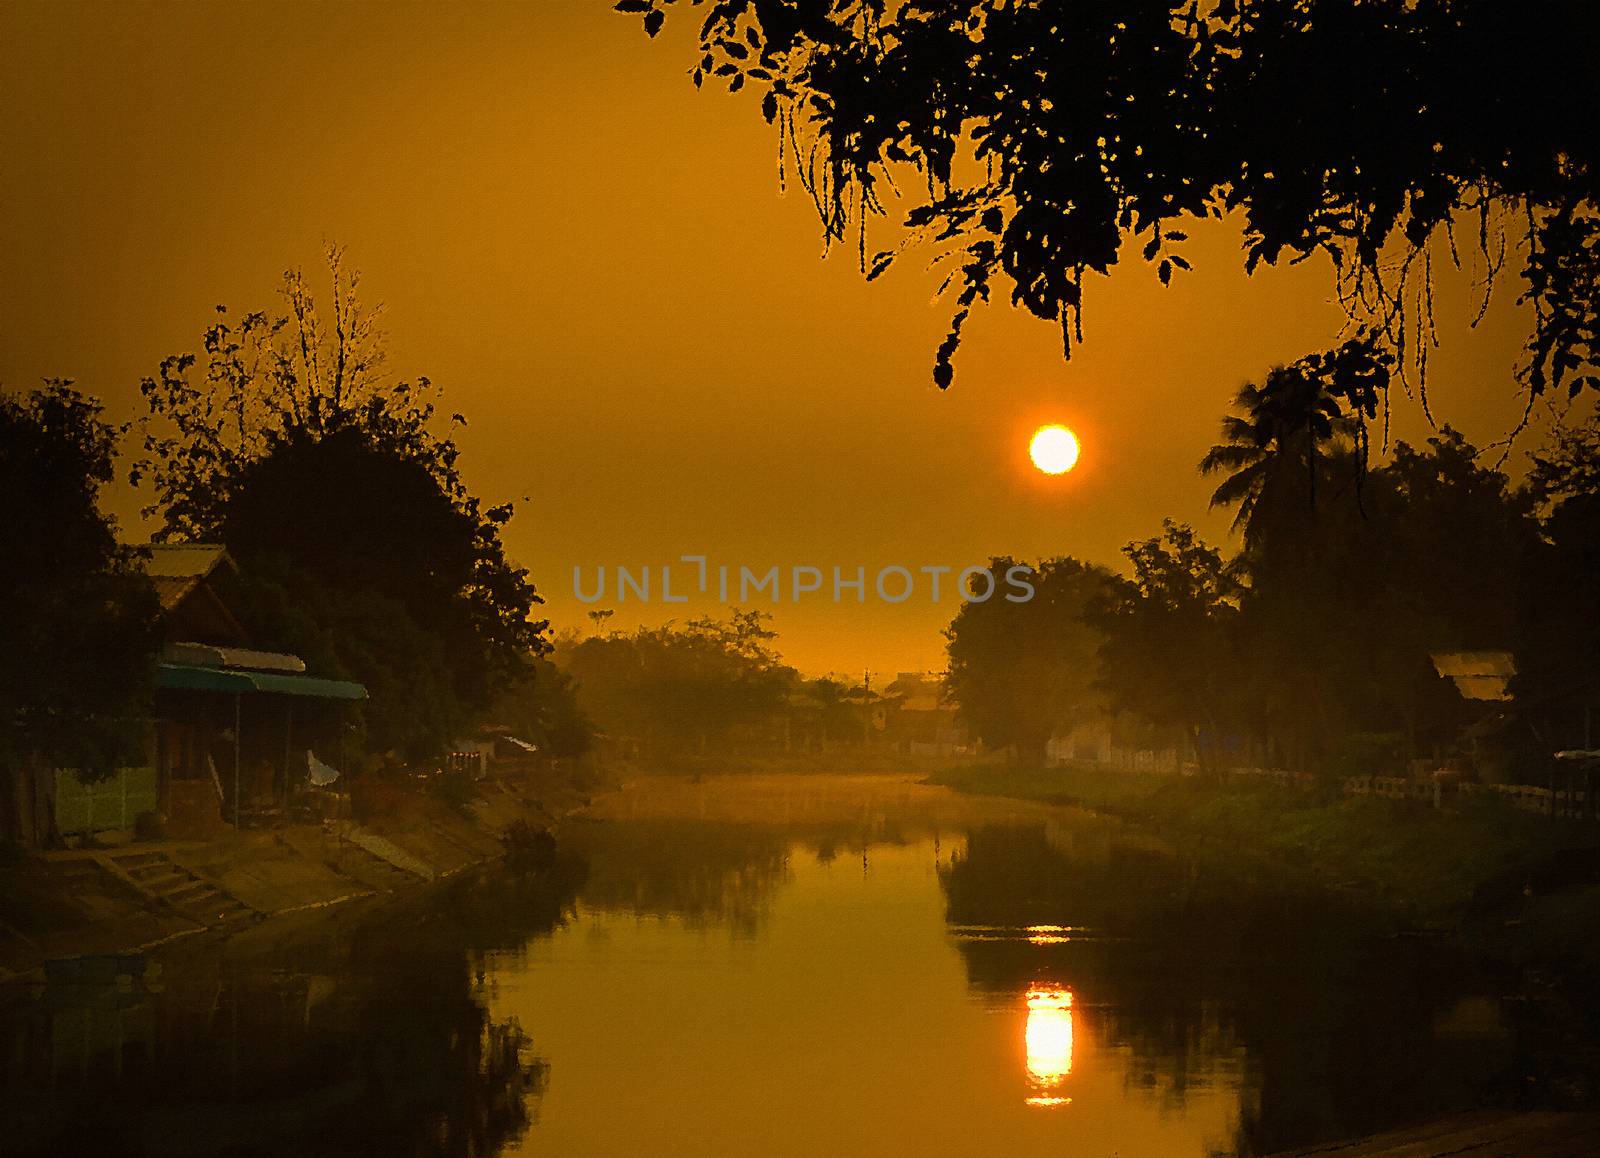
1291,443
543,707
78,616
1170,646
1020,672
840,708
1035,140
1437,566
327,481
672,688
1346,603
1561,616
1273,450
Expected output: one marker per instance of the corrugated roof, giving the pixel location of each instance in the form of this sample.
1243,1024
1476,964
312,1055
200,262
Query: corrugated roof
203,679
207,655
185,560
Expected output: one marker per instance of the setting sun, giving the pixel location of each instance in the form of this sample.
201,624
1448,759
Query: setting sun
1054,449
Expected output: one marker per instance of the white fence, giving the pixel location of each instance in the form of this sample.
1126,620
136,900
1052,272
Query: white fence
1570,802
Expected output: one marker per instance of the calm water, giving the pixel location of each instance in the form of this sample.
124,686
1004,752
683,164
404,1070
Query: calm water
782,966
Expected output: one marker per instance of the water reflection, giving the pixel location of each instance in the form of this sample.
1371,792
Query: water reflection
1048,1036
371,1035
735,978
837,993
1049,934
706,872
1207,978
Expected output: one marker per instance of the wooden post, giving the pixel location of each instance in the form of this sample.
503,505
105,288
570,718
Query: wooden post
237,723
288,731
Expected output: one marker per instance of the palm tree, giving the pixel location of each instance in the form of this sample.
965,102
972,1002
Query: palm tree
1278,445
1272,446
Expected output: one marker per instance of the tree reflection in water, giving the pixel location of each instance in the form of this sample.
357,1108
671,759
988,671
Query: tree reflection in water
372,1040
702,872
1205,972
712,872
375,1038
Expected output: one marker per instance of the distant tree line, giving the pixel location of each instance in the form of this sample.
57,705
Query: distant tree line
679,687
711,685
1310,647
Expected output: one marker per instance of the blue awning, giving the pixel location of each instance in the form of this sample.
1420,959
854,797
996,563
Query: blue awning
183,677
201,679
302,685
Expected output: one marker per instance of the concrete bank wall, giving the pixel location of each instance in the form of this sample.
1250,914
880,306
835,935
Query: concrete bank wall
67,911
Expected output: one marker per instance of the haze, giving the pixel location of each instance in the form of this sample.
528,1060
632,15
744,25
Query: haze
595,262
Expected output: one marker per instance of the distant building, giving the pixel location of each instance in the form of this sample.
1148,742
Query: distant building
1478,675
919,720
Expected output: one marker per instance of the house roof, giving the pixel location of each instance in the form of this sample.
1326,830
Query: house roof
178,571
206,655
186,560
1478,675
184,677
173,589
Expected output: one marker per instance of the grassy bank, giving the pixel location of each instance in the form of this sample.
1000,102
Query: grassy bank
839,759
1407,852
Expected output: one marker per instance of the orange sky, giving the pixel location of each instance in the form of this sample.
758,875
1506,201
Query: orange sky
593,259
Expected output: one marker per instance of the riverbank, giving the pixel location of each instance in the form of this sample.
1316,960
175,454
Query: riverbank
83,910
1436,863
1519,892
908,929
835,760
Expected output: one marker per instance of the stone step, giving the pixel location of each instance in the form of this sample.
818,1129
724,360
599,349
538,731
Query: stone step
143,867
129,861
187,890
155,878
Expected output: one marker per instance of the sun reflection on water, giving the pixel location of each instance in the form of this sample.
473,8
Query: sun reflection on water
1048,1037
1049,934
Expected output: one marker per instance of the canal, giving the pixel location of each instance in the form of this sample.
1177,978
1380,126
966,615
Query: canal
783,965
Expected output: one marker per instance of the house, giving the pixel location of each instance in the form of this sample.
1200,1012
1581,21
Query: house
1478,675
231,725
919,720
198,586
1518,734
